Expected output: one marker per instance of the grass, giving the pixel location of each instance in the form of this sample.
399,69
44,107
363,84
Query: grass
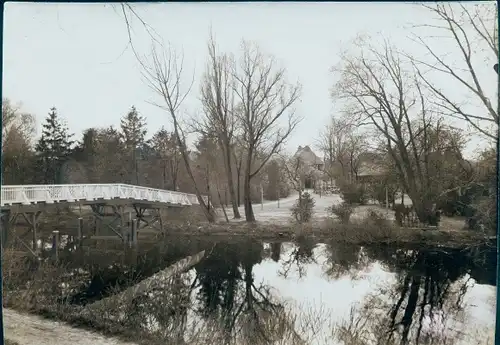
10,342
371,229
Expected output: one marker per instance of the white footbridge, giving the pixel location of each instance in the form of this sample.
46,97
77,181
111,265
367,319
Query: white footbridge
73,193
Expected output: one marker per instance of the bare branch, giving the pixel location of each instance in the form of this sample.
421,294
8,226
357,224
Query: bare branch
265,98
163,75
468,28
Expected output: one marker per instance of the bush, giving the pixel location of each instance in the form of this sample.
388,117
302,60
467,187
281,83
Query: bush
302,210
483,215
342,211
378,192
272,191
353,193
377,219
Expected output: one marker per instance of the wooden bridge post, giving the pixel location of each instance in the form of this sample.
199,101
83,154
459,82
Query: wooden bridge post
80,231
34,232
133,233
55,244
128,235
4,227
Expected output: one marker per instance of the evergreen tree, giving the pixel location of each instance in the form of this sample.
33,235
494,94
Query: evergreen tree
111,156
133,132
167,150
53,149
86,154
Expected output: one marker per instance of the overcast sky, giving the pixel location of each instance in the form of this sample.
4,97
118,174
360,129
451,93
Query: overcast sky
74,56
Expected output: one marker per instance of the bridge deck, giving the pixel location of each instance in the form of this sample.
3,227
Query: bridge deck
72,193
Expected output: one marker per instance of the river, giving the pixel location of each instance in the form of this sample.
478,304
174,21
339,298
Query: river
332,293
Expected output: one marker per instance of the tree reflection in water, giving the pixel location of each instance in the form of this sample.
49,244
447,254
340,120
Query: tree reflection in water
300,256
423,304
345,260
228,294
418,306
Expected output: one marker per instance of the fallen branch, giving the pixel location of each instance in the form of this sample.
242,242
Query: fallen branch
150,283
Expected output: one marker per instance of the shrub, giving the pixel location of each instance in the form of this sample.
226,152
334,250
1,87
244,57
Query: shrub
342,211
302,210
483,215
377,219
353,193
378,192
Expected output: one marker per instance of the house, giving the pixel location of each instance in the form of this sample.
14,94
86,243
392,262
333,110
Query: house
313,166
370,172
371,168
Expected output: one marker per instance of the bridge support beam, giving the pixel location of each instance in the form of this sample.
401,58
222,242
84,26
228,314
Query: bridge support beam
116,224
155,220
31,219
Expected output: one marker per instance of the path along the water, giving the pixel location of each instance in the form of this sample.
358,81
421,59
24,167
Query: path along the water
27,329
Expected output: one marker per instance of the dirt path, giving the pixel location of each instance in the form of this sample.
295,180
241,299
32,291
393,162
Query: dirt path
27,329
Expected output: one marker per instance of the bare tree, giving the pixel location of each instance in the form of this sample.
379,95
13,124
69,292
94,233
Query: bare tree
217,97
295,171
332,142
18,129
342,146
356,146
377,88
472,28
239,158
266,98
163,75
14,120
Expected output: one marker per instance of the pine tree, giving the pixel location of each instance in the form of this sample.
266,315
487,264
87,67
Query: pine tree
53,149
167,150
133,132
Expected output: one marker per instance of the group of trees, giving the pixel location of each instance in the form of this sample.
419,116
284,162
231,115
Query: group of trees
239,130
244,105
396,98
393,111
124,154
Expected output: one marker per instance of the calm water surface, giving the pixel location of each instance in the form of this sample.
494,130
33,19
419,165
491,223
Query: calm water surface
414,295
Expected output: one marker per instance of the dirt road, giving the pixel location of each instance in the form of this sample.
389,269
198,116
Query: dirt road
27,329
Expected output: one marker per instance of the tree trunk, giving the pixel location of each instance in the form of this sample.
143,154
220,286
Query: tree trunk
206,209
220,200
148,284
238,183
247,201
164,181
134,162
298,217
423,208
230,182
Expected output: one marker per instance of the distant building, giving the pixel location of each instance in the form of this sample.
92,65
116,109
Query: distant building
313,166
369,172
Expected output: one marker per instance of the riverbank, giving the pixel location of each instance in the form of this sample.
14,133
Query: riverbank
357,232
122,320
26,329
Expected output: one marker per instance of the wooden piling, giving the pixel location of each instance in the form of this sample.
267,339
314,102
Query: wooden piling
80,230
133,233
34,232
55,243
4,224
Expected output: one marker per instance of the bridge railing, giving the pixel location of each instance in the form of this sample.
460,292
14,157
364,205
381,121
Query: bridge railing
27,194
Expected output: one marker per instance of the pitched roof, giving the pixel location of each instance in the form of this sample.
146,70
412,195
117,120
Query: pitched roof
370,169
307,155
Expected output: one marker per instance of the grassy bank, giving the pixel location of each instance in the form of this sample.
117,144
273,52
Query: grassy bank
364,231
